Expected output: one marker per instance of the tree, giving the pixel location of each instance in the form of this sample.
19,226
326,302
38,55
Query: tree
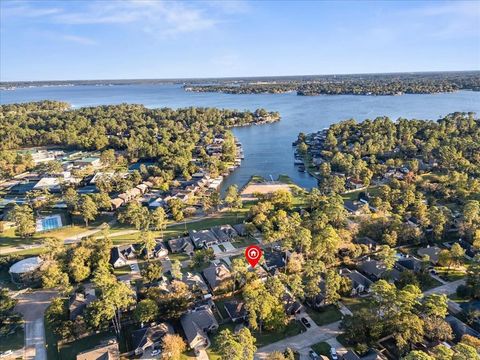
24,221
172,303
159,219
438,220
71,199
240,346
333,282
437,329
232,197
88,209
54,277
173,346
465,352
473,277
54,248
418,355
115,297
457,254
146,310
9,318
137,215
276,355
435,305
152,272
388,256
441,352
471,341
176,209
176,269
147,239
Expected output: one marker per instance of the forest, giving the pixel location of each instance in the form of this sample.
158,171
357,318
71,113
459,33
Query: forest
378,84
165,135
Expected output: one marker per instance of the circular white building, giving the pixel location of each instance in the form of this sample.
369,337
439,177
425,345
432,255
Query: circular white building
22,269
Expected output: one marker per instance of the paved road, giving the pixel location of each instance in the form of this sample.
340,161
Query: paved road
32,306
447,289
298,342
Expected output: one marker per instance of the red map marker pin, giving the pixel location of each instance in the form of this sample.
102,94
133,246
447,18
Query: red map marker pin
253,253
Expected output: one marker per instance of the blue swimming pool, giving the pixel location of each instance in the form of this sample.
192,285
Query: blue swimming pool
50,223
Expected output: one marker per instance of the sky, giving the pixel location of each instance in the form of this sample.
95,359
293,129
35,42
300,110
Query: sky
132,39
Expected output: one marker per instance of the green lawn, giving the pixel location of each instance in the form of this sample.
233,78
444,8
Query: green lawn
321,348
355,304
327,315
265,338
122,270
13,341
69,351
449,275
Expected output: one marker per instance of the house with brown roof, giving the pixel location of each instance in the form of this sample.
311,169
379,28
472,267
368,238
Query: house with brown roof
106,351
218,277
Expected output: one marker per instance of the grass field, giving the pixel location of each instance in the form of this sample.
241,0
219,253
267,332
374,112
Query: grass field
321,348
327,315
13,341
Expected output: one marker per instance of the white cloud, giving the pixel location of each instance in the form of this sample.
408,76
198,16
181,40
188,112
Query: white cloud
78,39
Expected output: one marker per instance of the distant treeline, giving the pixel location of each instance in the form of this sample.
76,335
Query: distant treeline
375,84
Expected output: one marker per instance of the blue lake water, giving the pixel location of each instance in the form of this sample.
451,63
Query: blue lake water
267,148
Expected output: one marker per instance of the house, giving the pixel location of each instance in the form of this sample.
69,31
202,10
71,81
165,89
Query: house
360,284
413,221
78,302
274,260
373,354
224,232
409,263
374,269
159,251
88,161
143,188
431,251
149,337
292,306
217,276
459,328
202,238
371,244
350,355
116,203
353,207
181,245
241,229
119,255
197,324
318,301
107,351
195,283
236,310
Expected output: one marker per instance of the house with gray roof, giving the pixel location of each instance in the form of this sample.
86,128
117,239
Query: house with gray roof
217,276
203,238
197,324
373,269
241,229
360,283
179,245
236,310
78,303
195,283
150,336
431,251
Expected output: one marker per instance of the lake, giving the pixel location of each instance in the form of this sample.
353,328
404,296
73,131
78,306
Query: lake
267,148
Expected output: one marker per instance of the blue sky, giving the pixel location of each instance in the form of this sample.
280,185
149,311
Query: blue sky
55,40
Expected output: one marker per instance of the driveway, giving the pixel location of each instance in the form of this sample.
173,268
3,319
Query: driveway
301,341
32,306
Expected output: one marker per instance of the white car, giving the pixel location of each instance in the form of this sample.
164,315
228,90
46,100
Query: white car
132,267
6,353
156,352
333,353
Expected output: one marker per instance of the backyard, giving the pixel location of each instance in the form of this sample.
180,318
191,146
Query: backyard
326,315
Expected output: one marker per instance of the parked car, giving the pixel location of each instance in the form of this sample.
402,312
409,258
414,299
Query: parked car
305,322
333,353
313,355
156,352
6,353
132,267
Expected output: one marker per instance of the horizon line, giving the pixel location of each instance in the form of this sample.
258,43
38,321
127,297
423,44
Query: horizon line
238,77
